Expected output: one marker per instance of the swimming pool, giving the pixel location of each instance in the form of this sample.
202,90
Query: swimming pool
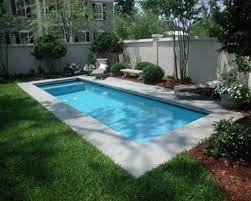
137,118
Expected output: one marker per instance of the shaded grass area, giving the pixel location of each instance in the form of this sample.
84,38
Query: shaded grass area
43,159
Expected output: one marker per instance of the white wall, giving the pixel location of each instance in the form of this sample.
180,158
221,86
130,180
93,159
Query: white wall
22,61
205,61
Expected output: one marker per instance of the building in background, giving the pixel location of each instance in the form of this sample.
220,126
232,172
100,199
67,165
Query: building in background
35,9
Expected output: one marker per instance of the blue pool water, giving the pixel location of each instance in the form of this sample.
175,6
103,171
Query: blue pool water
136,117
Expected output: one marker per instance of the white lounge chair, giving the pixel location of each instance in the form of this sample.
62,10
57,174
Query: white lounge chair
100,71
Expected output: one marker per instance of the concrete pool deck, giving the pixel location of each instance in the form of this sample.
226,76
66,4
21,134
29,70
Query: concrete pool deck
136,158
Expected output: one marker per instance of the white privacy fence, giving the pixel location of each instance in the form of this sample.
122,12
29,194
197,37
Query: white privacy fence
205,61
22,61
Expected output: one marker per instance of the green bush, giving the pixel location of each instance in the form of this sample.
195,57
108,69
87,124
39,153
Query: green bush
230,140
115,69
48,48
152,74
106,42
142,65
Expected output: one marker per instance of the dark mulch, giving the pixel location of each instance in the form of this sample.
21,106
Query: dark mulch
234,178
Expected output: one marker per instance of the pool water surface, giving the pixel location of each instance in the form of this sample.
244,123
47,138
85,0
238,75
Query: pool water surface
137,118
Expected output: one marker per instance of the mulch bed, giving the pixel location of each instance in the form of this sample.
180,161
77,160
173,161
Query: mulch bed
233,178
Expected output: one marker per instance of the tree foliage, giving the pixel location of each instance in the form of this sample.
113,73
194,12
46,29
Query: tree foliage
8,24
106,45
232,27
107,42
201,27
125,7
180,15
47,48
66,17
138,26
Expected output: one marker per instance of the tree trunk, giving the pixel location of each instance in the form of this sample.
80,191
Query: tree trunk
175,58
4,60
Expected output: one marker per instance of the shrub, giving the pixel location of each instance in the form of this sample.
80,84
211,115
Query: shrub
230,140
117,67
48,48
152,74
71,69
106,42
142,65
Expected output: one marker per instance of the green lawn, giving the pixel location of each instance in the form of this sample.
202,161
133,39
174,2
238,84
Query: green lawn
43,159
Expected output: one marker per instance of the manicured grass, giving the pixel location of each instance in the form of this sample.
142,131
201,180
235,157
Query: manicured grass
43,159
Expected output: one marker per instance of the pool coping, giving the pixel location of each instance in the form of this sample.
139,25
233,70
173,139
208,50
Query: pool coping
135,158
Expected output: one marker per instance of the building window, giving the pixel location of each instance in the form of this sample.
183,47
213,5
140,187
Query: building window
82,36
99,11
24,37
23,7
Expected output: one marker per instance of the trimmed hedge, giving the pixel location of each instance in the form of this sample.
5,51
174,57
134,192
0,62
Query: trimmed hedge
116,67
142,65
152,74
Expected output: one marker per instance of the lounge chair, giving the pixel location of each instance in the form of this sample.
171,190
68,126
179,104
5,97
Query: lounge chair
100,71
128,71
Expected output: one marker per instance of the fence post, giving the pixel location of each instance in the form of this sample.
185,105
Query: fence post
156,38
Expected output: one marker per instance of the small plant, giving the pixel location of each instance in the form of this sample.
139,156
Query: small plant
234,88
116,67
153,74
71,69
230,140
48,49
142,65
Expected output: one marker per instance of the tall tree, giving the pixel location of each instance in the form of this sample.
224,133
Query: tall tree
138,26
125,7
180,14
8,24
203,25
232,27
66,17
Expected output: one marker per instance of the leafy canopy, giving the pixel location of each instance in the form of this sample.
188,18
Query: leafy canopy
8,24
138,26
232,27
178,13
179,16
107,42
48,47
125,7
68,17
